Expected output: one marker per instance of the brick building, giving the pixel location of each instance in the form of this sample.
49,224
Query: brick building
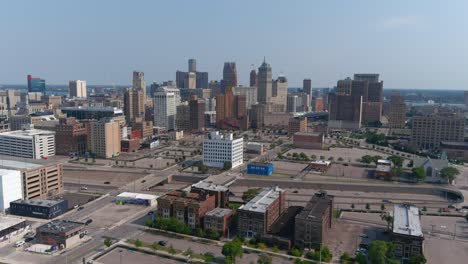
189,208
258,215
297,124
70,137
308,140
314,222
220,192
407,235
218,219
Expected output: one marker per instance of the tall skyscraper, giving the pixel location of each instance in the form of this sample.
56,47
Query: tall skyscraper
397,113
139,82
134,104
165,110
279,94
229,75
183,116
264,83
192,65
77,89
197,113
253,78
191,81
307,86
36,85
465,94
180,79
202,80
231,111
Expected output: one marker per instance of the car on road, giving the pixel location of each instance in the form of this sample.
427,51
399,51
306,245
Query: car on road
106,182
19,243
386,201
89,221
80,208
451,206
162,243
84,188
28,239
143,181
465,207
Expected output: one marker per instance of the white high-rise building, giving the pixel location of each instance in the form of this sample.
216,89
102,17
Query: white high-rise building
165,110
28,143
218,149
77,89
10,188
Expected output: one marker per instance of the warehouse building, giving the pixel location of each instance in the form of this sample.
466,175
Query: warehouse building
260,168
10,226
44,209
407,235
60,233
137,198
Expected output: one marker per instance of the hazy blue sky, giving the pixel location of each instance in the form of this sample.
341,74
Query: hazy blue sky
412,44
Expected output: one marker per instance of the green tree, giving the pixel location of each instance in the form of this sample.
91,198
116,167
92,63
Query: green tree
381,252
387,218
172,250
360,258
419,174
208,257
232,249
345,258
396,160
420,259
108,242
366,159
250,194
275,249
382,207
200,232
261,246
188,252
396,172
214,235
227,165
138,243
322,157
295,252
449,174
313,157
155,247
264,259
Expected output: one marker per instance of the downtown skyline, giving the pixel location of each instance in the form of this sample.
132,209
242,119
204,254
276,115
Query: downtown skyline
421,46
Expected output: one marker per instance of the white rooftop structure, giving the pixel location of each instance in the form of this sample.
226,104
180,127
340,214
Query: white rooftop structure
406,220
261,202
219,212
27,134
210,186
321,162
384,165
16,164
6,222
142,196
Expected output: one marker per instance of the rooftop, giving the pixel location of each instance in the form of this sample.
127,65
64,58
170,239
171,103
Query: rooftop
45,203
210,186
16,164
6,222
59,226
260,164
261,202
92,108
219,212
138,195
316,207
315,134
406,220
27,133
321,162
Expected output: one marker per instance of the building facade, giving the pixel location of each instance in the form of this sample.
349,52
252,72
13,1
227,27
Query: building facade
297,124
256,217
397,112
165,110
77,89
219,149
308,140
219,220
428,131
30,143
105,138
10,188
407,235
44,209
264,83
197,114
134,104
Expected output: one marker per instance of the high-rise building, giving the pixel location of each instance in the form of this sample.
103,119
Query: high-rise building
202,80
375,87
219,149
105,138
28,143
191,81
297,124
264,83
397,113
428,131
183,116
279,93
197,114
229,76
371,112
231,111
293,102
77,89
165,110
253,78
70,137
134,104
345,111
139,82
36,85
319,104
250,94
307,86
181,79
465,94
192,65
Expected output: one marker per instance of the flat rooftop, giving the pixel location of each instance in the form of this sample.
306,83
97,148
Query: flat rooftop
143,196
45,203
406,220
7,222
219,212
17,163
260,164
261,202
59,226
316,206
210,186
26,133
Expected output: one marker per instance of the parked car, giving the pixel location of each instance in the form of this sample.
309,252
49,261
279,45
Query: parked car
106,182
386,201
80,208
19,243
162,243
465,207
451,206
84,188
28,239
89,221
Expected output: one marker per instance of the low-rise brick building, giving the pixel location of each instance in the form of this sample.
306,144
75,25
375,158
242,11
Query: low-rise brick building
258,215
313,223
218,219
308,140
189,208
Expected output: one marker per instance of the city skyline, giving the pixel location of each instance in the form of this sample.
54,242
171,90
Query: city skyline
419,46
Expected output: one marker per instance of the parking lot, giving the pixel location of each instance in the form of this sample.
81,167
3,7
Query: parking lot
126,256
112,213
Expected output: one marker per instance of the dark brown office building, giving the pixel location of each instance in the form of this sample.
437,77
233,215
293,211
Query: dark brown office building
229,76
253,78
314,222
197,113
70,137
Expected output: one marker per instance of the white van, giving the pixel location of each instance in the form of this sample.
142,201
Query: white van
19,243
